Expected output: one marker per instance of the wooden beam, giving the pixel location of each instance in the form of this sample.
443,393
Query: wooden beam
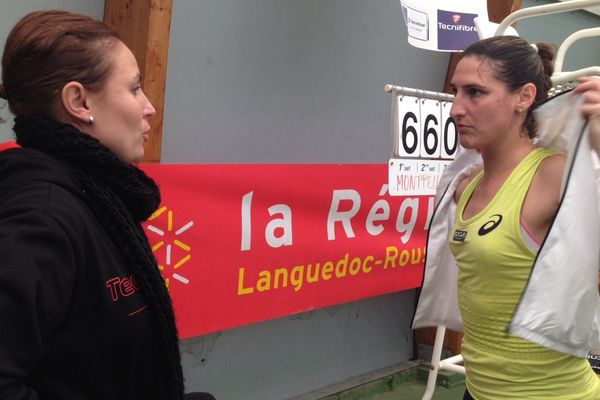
144,26
498,10
454,58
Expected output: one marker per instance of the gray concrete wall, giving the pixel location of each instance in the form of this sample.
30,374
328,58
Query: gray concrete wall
292,81
294,355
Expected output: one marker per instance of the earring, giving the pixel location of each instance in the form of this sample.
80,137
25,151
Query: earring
519,110
91,120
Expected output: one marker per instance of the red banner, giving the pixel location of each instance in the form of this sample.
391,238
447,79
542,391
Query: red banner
8,145
239,244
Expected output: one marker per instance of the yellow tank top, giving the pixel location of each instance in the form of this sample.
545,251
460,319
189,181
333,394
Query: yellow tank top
494,264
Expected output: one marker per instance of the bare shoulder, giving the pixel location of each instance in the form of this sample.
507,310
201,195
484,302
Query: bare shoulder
545,187
543,197
550,171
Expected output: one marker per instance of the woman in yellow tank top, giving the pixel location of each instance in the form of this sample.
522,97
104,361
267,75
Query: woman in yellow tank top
504,211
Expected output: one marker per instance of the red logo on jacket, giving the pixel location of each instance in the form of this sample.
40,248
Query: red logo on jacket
121,287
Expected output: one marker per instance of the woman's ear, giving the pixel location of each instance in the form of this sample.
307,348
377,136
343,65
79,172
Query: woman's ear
73,97
526,96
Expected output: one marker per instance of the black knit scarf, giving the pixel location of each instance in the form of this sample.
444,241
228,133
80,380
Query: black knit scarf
121,196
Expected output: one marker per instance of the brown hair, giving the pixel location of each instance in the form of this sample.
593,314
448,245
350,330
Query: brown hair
47,49
515,62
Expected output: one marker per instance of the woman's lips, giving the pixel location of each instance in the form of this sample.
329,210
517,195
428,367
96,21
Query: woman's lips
462,128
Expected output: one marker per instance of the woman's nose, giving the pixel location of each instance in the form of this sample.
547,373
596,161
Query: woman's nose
149,109
456,110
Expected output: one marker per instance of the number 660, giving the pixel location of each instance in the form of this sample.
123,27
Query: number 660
425,129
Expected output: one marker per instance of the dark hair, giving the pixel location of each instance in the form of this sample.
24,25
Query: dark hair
47,49
515,62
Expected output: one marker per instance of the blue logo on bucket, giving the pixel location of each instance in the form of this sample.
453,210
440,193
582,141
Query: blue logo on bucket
456,30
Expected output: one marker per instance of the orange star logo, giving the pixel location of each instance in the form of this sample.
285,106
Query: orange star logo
169,250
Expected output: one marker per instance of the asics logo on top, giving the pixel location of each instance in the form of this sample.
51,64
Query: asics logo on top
489,226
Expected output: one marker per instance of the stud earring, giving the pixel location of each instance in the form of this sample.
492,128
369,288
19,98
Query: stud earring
91,120
519,110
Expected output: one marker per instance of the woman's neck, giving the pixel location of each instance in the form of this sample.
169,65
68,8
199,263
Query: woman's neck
499,160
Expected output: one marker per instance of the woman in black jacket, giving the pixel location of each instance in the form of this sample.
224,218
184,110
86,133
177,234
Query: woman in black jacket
84,311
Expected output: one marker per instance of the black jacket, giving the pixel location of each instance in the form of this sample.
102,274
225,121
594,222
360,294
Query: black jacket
73,323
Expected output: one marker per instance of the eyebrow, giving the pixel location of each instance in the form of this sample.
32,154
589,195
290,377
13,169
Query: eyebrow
468,86
475,86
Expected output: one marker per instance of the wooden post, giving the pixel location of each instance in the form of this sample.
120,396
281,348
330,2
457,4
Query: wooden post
144,26
497,11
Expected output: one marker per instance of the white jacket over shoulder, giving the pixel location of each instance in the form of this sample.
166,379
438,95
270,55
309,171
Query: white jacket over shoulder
560,307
